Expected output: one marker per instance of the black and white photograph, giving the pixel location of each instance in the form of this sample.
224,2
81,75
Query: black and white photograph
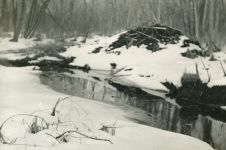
112,74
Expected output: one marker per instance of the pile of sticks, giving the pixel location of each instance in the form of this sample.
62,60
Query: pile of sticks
150,36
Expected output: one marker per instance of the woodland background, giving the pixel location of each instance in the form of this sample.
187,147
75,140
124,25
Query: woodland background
203,20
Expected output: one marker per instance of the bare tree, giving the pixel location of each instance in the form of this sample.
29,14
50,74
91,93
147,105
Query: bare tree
196,19
29,32
31,15
18,20
4,20
202,20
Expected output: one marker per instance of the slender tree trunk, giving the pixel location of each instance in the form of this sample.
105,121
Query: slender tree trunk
217,19
86,24
159,11
211,29
196,20
31,15
4,20
72,3
18,22
190,19
62,16
14,10
204,16
31,30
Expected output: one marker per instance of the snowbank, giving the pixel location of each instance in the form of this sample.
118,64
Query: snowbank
21,92
149,69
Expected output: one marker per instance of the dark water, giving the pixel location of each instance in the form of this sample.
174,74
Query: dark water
164,114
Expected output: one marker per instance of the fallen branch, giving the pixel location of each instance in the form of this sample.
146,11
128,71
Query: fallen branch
90,137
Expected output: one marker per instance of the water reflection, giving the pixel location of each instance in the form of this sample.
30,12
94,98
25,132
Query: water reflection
165,115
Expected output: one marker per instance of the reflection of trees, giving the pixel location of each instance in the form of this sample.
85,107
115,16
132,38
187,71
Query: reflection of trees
207,129
165,115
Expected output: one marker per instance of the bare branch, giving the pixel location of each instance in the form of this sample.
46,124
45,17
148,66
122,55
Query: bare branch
223,69
87,136
2,136
58,101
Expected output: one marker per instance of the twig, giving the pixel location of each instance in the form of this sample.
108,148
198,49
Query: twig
52,137
2,136
74,131
197,71
147,36
119,70
223,68
58,101
34,145
207,71
22,115
40,110
203,64
160,28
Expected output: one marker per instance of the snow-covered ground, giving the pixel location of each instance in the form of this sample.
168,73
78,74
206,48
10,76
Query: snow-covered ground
148,69
22,93
143,68
6,45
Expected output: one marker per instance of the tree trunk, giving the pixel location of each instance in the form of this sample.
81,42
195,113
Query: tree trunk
31,30
18,22
211,29
159,11
204,16
31,16
4,20
14,10
218,10
196,20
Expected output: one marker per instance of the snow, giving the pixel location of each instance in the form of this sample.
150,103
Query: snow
44,58
21,92
5,43
6,47
223,107
149,69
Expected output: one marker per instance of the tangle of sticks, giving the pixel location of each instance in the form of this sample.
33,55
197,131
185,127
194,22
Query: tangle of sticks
31,115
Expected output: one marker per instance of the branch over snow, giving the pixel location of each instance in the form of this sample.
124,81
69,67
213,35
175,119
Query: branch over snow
2,136
55,106
80,133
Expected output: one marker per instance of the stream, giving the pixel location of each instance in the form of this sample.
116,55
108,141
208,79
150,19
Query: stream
164,115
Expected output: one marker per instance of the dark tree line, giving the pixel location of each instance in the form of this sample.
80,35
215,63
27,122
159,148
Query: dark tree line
203,20
15,11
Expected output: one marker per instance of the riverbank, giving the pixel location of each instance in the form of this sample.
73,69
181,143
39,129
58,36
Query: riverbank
25,89
166,63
